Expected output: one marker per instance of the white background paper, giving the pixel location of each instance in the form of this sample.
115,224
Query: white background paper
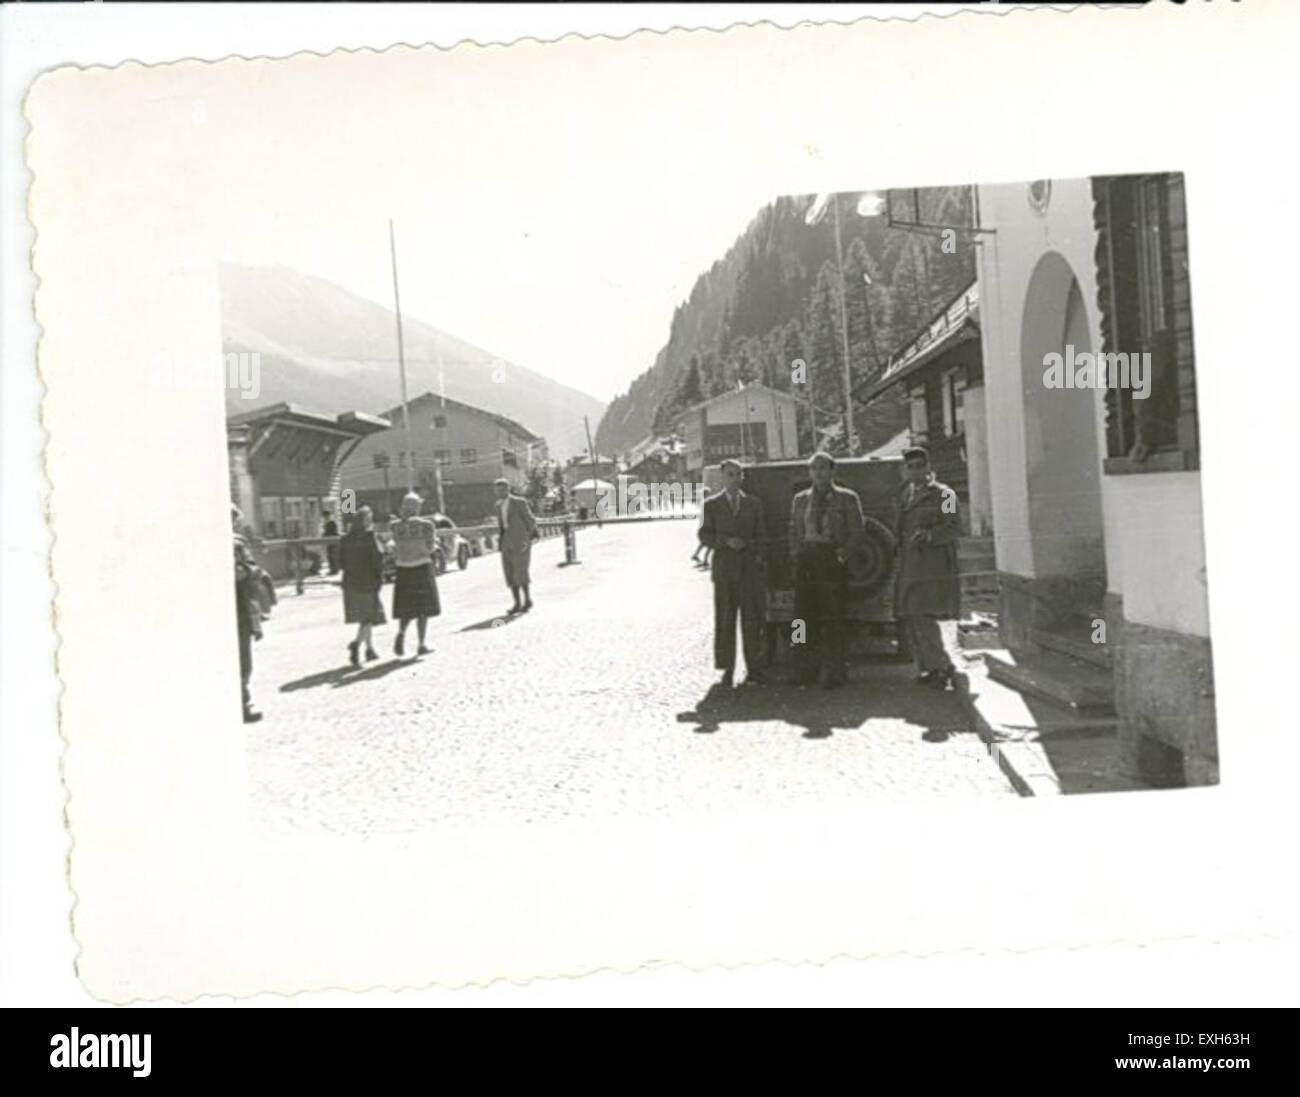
34,898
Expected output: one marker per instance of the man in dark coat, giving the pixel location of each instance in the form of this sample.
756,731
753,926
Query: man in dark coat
826,526
248,614
927,587
732,526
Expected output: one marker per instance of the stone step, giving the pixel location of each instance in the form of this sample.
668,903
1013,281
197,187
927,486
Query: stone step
1079,686
1075,641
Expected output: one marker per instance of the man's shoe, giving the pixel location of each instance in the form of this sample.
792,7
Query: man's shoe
527,606
516,608
727,679
399,645
251,716
755,678
424,649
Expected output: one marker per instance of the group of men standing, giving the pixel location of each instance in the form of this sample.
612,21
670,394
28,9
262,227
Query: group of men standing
826,526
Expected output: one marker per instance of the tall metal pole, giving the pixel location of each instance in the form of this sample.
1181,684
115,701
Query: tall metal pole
401,363
844,334
591,450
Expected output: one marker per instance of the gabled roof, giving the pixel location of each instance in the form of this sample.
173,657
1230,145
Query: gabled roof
446,401
356,423
751,387
957,322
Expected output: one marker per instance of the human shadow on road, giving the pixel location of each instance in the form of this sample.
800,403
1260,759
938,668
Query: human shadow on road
878,692
500,620
347,675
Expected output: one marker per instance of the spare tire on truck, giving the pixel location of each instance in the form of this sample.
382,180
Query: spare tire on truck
871,563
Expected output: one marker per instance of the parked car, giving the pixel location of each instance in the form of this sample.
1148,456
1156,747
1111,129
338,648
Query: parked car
448,545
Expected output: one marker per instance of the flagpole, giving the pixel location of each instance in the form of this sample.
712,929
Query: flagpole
401,363
844,333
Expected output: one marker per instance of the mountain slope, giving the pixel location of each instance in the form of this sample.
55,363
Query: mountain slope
330,350
774,298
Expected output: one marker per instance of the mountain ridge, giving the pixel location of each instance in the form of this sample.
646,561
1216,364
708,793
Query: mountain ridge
325,347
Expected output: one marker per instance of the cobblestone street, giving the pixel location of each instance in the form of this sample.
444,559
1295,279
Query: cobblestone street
599,702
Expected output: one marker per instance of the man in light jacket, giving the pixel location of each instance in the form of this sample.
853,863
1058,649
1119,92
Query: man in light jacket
825,529
517,529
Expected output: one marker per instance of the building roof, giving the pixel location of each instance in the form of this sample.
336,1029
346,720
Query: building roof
355,423
957,322
751,387
446,401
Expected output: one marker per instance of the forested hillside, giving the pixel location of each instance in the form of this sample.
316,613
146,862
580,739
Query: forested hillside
774,298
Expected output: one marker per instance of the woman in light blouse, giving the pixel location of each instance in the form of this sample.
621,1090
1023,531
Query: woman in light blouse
415,591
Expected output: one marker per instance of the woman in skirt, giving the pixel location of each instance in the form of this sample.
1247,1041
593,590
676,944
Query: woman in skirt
362,562
415,592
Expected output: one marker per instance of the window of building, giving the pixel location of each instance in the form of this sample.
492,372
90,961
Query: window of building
953,385
920,424
439,422
294,510
1145,300
272,517
509,459
468,456
442,456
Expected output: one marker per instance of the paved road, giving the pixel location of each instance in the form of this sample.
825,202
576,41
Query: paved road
600,701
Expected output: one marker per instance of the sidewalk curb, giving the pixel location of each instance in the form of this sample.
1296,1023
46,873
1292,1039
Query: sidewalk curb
1024,764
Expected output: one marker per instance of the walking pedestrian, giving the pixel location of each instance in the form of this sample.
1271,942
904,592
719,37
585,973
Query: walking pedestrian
248,613
732,526
700,546
415,590
517,530
362,562
331,529
927,585
826,526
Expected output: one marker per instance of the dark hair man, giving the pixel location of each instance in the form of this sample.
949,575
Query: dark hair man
825,527
732,526
927,585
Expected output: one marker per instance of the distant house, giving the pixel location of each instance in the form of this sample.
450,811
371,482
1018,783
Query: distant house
753,423
941,371
583,468
285,463
453,449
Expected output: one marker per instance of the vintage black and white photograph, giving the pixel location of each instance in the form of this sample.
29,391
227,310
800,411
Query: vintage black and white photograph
906,504
693,498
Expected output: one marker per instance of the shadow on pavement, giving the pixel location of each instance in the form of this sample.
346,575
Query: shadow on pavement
346,675
500,620
878,691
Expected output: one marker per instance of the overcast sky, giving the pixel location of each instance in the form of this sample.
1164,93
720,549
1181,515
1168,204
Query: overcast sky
553,235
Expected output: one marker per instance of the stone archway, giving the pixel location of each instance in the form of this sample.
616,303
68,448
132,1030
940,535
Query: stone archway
1063,468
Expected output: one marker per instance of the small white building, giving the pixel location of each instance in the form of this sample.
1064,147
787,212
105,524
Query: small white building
753,423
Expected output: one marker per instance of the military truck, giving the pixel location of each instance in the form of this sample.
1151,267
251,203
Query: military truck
872,623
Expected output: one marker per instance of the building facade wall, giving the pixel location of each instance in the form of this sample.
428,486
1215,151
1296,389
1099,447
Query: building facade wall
1023,456
468,448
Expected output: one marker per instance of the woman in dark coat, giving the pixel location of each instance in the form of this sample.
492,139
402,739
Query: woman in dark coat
362,562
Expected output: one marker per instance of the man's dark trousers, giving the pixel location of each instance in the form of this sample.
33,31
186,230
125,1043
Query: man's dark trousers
821,591
732,596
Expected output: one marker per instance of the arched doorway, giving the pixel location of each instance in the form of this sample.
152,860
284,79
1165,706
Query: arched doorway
1063,469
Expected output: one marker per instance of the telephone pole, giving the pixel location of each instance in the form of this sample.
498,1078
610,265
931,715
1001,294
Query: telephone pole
401,364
